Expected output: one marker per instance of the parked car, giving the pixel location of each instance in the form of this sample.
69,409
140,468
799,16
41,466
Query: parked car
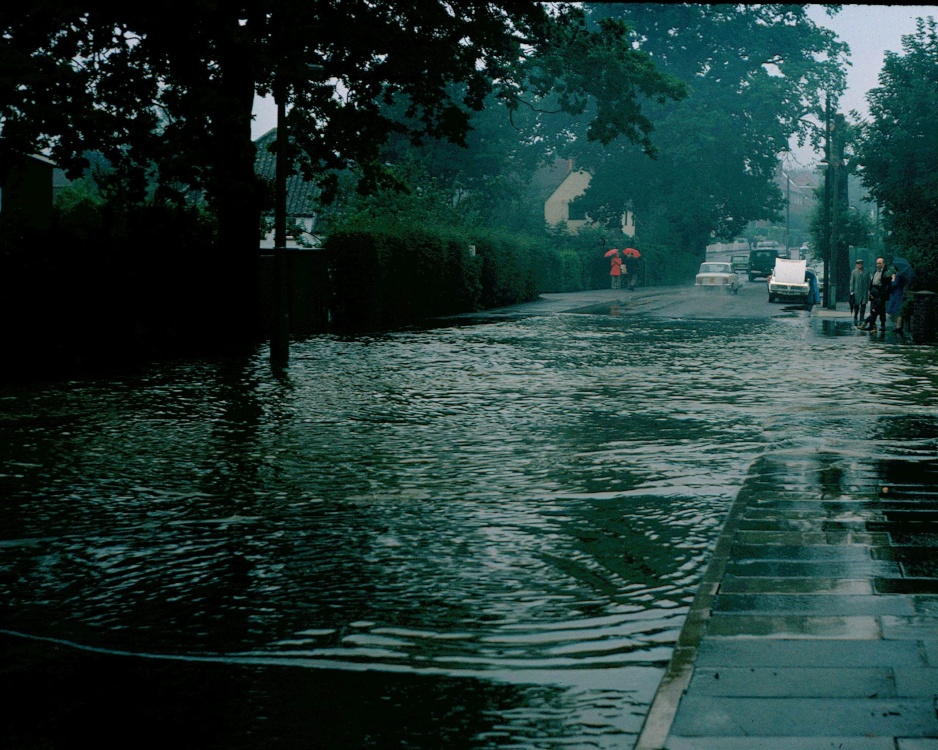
819,272
761,263
788,281
740,263
718,275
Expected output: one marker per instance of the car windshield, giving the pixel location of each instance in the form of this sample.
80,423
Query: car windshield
714,268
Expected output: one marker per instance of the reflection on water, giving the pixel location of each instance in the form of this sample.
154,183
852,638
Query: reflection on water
504,521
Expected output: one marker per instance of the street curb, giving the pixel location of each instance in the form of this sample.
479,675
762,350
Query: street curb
677,677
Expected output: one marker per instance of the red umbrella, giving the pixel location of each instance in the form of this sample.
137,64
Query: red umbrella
610,253
631,252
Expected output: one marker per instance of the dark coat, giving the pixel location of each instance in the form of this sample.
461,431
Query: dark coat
879,294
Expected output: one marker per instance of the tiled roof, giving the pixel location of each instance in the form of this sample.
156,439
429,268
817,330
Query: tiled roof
301,194
549,177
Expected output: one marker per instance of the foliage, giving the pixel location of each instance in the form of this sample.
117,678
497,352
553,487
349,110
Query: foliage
856,229
171,102
482,184
79,210
509,269
754,73
389,277
898,151
109,282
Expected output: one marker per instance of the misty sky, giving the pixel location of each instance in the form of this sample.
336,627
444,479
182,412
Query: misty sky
870,30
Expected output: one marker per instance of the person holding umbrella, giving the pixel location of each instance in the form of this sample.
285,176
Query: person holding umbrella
615,271
631,265
901,278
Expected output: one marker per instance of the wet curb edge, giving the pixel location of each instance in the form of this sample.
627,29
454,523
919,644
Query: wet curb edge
680,669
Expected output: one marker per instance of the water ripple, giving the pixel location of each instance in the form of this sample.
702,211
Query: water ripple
529,502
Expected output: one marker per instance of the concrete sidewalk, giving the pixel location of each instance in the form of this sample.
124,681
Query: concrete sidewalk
816,625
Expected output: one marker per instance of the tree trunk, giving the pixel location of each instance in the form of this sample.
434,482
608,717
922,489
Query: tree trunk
235,195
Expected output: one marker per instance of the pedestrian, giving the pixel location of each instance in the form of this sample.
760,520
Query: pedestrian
616,271
631,271
859,291
880,283
814,291
896,293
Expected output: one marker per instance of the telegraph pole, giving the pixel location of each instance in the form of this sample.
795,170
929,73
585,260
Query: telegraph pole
830,300
280,333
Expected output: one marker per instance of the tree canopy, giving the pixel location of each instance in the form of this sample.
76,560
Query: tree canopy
756,76
165,89
898,149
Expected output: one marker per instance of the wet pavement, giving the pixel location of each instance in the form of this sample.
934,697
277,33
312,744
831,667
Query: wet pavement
816,624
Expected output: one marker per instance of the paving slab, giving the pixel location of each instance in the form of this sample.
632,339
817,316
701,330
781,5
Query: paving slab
917,682
809,653
817,625
805,586
805,553
815,569
930,647
808,682
910,628
833,604
785,743
793,626
705,715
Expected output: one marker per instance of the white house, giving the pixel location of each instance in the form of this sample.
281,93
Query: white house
568,184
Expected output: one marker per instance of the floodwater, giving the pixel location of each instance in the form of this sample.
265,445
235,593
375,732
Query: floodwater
479,535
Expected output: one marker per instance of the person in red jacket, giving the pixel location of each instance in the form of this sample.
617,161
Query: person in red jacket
616,271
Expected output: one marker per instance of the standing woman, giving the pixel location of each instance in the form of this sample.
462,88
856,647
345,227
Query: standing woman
896,293
616,271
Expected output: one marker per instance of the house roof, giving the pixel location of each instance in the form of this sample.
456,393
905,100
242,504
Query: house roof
549,177
40,158
301,193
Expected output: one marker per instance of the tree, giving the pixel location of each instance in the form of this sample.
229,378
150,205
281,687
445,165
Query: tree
165,90
755,74
481,184
898,150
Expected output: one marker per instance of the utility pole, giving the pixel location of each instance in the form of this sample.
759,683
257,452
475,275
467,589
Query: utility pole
830,300
280,333
835,226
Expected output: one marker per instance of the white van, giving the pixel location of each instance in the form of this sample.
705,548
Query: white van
788,281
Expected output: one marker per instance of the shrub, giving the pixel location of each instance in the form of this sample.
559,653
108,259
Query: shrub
391,277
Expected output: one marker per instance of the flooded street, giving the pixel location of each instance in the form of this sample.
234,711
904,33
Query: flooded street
482,534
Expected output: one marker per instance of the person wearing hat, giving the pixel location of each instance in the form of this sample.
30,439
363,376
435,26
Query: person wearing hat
880,287
859,291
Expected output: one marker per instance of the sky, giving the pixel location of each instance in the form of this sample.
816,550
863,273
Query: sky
870,30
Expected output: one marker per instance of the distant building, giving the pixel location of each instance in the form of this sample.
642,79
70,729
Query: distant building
26,190
301,195
564,184
737,245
